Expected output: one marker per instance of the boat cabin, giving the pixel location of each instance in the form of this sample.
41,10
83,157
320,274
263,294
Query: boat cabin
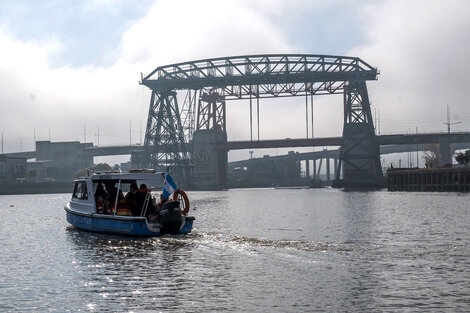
124,194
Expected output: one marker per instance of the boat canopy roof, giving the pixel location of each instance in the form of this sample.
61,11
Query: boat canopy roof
126,176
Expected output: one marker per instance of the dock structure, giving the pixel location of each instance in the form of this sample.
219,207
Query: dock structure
429,179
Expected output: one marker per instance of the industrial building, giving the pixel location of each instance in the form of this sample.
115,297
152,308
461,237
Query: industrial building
12,168
60,160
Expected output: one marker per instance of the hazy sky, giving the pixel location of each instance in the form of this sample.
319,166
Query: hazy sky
64,64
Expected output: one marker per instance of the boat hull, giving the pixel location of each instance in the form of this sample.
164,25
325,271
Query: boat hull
122,225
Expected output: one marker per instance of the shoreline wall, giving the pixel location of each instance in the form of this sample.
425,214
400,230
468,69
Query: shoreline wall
429,179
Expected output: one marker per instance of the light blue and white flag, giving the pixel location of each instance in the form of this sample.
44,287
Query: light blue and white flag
169,186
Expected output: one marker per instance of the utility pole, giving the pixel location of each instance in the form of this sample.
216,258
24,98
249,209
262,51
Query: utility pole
448,120
251,118
448,133
98,134
84,132
306,110
2,141
34,138
257,111
311,110
417,159
49,134
130,133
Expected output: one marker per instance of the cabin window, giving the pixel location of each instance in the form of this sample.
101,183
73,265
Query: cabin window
80,191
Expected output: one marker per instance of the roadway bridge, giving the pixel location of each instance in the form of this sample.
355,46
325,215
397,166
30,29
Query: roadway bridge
112,150
316,159
382,140
395,140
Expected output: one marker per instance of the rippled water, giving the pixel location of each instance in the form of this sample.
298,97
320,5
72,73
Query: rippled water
259,250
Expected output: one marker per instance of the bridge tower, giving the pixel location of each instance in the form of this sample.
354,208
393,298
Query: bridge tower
165,145
210,165
360,153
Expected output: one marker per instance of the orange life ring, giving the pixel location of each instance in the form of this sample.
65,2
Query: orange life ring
185,199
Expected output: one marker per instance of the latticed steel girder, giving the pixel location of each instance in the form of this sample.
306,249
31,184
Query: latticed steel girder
211,111
164,139
264,76
359,153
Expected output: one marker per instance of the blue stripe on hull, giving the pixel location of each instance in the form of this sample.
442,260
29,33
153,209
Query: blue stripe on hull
118,226
108,225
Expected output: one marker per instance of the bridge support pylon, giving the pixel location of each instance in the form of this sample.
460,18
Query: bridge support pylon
210,164
165,145
360,153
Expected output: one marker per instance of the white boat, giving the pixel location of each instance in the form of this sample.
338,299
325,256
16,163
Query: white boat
98,204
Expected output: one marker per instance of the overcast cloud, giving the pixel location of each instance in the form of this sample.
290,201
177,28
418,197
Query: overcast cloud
50,80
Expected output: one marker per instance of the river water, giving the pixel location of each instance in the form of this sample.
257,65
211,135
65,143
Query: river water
257,250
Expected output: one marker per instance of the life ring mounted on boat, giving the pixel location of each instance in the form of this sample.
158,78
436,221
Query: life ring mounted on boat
180,195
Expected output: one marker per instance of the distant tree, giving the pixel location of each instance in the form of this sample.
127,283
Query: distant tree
101,167
81,173
460,158
432,155
463,157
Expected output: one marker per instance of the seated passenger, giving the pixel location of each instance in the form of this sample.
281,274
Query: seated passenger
122,208
163,200
111,199
100,192
154,214
131,200
140,196
100,205
100,198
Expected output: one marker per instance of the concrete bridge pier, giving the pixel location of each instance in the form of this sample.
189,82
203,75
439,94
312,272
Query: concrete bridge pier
335,166
444,149
210,164
328,177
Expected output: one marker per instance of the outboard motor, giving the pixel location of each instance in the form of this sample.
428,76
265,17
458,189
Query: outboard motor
171,218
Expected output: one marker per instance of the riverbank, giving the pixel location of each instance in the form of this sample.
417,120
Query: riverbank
35,188
429,179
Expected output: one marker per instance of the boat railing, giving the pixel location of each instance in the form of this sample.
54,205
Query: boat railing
148,196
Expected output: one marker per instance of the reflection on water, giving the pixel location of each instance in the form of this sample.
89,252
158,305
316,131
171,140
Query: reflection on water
251,250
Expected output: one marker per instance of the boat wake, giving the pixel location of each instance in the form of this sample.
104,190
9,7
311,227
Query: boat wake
261,243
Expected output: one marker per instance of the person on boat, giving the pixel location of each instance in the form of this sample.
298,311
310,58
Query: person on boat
154,214
111,199
131,200
100,197
162,201
100,192
139,196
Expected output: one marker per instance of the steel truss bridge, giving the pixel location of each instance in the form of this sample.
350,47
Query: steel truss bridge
210,83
